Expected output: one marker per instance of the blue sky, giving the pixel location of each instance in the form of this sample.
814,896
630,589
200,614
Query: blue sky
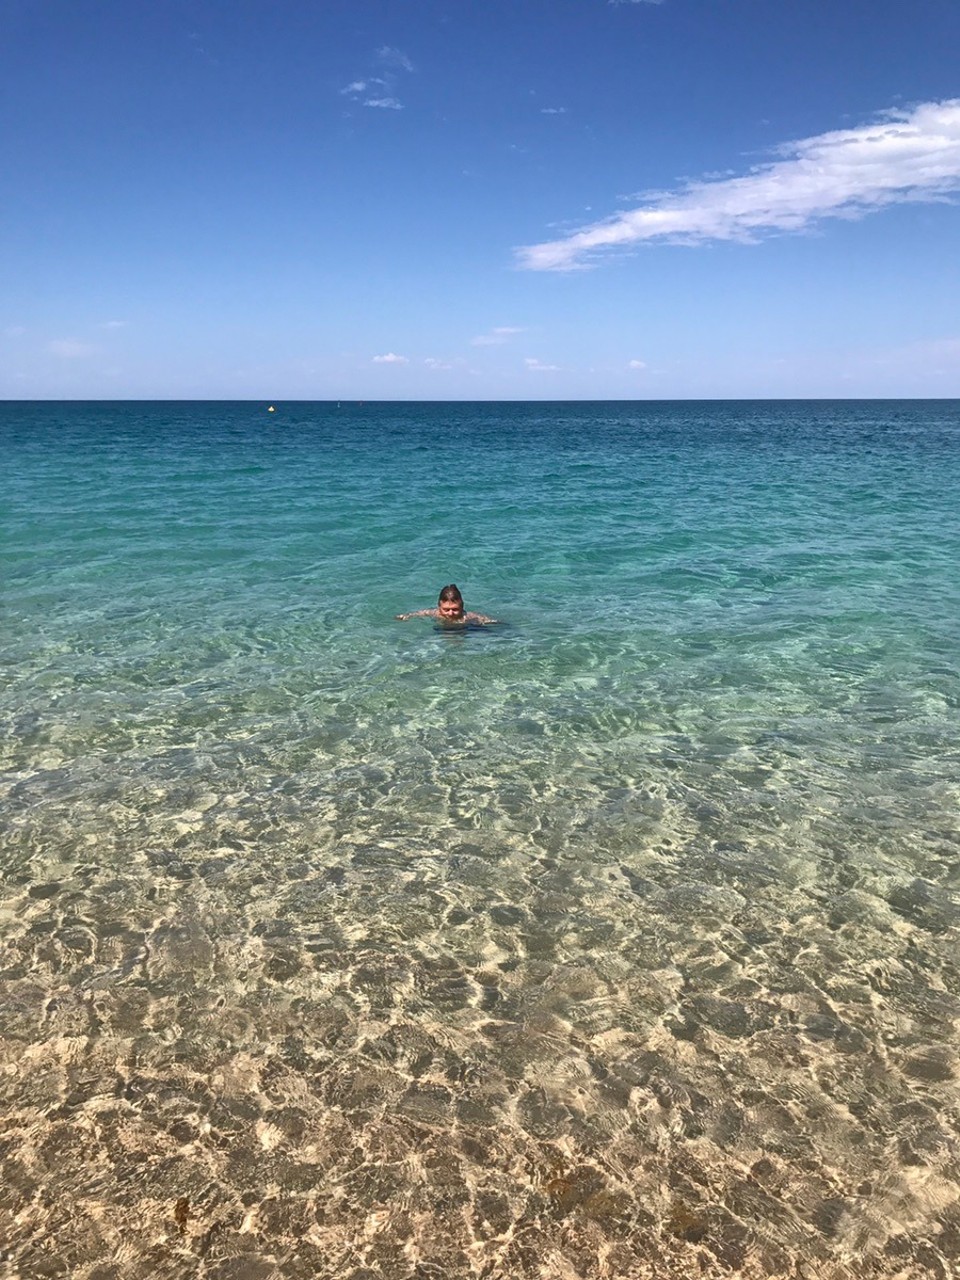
513,199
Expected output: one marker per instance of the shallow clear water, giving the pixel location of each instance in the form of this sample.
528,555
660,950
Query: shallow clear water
618,939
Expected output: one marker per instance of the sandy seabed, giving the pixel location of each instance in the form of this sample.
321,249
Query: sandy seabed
243,1044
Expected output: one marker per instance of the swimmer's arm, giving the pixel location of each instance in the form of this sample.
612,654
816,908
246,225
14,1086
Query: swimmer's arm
418,613
482,618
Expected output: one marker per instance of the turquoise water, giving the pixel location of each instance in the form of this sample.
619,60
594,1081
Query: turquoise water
620,935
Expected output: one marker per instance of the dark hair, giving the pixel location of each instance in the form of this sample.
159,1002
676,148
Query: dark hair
450,592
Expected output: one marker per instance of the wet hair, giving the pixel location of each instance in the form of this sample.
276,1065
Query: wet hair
450,592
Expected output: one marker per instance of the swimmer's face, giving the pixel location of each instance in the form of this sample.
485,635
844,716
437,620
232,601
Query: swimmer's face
452,610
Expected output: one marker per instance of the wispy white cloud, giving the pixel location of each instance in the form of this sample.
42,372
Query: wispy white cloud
390,358
383,87
112,324
496,337
847,173
457,362
70,348
195,38
553,111
635,1
391,57
14,331
371,84
637,364
538,366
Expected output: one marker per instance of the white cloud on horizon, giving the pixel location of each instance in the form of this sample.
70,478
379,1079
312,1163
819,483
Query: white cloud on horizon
846,173
390,358
537,366
496,337
637,364
388,104
553,111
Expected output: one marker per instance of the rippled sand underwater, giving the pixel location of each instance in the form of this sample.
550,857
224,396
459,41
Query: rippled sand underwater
521,956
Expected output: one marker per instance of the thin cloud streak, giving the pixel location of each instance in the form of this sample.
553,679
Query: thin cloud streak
846,173
496,337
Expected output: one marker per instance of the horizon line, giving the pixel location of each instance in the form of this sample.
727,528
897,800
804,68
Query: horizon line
361,401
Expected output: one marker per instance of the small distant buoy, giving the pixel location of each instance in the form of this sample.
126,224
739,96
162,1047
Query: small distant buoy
271,409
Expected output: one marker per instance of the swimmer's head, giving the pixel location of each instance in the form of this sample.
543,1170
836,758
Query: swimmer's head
450,603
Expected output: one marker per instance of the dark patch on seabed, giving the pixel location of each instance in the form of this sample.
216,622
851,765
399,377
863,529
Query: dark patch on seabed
382,1064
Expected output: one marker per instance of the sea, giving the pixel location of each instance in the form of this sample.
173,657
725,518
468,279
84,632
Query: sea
616,939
